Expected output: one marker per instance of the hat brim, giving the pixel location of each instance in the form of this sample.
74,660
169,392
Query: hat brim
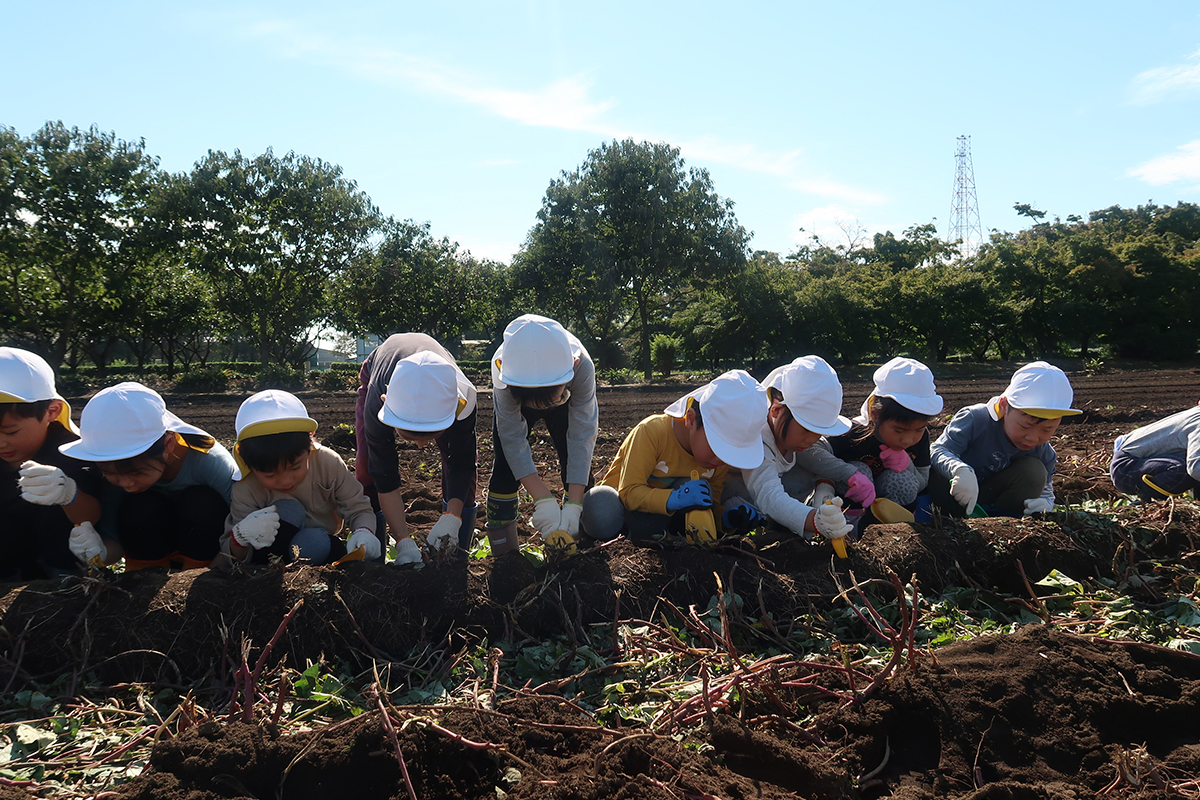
418,426
921,404
561,379
1048,413
173,424
747,457
841,425
270,426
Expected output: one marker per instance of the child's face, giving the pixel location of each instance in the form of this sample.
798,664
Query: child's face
287,476
900,435
790,436
1027,432
22,437
144,474
698,445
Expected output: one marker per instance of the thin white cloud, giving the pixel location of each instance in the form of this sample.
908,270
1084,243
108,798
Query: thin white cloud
564,104
1164,83
1182,165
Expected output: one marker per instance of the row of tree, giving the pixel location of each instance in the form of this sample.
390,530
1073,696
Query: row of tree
104,255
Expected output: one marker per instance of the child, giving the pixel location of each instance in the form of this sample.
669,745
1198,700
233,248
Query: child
997,454
805,398
541,372
44,496
411,387
170,481
291,494
886,451
650,487
1161,459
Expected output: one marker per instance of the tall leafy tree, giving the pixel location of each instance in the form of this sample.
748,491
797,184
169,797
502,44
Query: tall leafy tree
270,232
616,238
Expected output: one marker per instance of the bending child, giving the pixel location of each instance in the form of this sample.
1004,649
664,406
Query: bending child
170,482
1161,459
676,462
805,398
293,496
411,388
540,372
45,497
998,453
885,453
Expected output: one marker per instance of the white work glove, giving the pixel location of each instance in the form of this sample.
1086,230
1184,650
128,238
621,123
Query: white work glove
571,512
823,492
258,528
86,544
546,516
444,533
964,488
46,485
1037,505
407,552
830,522
367,540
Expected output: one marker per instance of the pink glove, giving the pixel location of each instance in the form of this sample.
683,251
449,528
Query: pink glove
861,489
895,460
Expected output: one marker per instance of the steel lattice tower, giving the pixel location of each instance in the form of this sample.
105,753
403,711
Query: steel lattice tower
964,206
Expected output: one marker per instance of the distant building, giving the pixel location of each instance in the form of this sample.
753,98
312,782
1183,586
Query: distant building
322,357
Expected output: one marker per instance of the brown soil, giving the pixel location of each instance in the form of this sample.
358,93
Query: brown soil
1036,714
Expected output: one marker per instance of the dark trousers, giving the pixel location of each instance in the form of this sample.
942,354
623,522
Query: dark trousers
503,483
34,540
1003,494
154,525
1167,472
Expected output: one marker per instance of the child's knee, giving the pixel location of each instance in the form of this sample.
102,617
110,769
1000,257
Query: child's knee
312,545
603,513
899,487
290,512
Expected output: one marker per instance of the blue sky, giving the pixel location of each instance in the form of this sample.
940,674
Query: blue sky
837,118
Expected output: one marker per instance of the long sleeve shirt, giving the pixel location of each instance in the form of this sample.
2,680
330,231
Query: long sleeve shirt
767,492
651,463
975,438
330,494
830,457
458,444
1177,435
583,421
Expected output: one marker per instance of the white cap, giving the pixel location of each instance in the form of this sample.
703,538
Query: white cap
423,394
536,351
734,408
909,383
25,377
812,392
123,421
1041,390
272,411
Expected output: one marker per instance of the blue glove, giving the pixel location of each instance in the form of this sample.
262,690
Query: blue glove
742,518
693,494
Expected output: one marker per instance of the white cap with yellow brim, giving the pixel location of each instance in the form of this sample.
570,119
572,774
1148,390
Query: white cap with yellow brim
270,411
25,377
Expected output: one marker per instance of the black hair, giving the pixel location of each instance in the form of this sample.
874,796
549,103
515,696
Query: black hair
35,410
775,396
886,408
156,452
536,396
699,417
266,453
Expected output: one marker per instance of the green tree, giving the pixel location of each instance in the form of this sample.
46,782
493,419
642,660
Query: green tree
413,282
270,232
619,236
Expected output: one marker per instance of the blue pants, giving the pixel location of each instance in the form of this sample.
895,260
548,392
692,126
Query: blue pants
1167,472
314,545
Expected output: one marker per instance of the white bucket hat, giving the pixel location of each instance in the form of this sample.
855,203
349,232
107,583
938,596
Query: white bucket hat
909,383
1041,390
123,421
423,394
25,377
812,392
536,351
734,408
272,411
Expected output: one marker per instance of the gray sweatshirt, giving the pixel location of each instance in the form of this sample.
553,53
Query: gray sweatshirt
1177,435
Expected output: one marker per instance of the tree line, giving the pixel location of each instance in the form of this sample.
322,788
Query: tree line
104,255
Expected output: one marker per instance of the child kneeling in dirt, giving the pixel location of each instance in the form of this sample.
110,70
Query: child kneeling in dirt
805,398
1161,459
997,454
45,497
169,482
676,462
292,495
540,372
885,453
